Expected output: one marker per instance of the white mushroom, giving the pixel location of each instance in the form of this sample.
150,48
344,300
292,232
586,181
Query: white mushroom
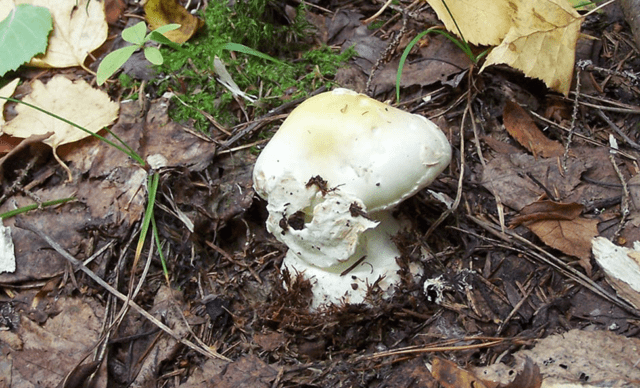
331,174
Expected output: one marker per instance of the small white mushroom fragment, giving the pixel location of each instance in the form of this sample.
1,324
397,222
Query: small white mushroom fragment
331,174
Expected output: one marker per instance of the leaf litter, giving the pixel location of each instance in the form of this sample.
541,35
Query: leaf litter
502,289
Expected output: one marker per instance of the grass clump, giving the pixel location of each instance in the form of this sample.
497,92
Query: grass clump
253,23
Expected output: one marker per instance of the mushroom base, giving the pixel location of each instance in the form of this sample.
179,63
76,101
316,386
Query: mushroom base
348,282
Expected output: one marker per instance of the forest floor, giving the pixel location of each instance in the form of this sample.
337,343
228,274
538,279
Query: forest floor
509,289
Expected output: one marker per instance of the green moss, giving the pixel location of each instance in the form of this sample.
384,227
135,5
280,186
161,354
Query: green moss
375,24
251,23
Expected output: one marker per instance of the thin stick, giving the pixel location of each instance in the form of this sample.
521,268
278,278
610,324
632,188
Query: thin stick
375,16
613,126
572,127
624,203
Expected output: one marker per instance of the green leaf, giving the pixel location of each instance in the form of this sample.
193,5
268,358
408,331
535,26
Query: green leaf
24,33
135,34
157,37
112,62
248,50
153,55
166,28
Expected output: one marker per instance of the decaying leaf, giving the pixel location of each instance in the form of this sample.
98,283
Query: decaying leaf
519,178
449,375
589,357
572,237
53,347
79,27
248,371
537,37
522,128
547,210
524,374
163,12
622,268
74,101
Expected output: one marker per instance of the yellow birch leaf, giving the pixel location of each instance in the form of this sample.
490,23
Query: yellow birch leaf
535,36
162,12
75,101
542,43
482,22
79,27
6,91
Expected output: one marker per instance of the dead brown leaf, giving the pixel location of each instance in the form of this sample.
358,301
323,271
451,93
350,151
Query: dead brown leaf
547,210
167,306
113,10
269,341
510,177
449,375
524,374
500,146
572,237
522,128
248,371
593,356
425,69
413,373
56,346
34,258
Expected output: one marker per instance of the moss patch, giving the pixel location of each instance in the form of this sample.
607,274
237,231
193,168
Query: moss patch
253,23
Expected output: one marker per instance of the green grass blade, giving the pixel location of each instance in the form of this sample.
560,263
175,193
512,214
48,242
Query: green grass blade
456,23
248,50
152,188
462,45
27,208
404,56
163,261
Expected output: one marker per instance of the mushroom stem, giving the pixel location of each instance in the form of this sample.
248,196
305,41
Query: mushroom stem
373,262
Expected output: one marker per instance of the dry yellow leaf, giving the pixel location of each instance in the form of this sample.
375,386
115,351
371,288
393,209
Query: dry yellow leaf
482,22
535,36
79,27
163,12
6,91
75,101
5,7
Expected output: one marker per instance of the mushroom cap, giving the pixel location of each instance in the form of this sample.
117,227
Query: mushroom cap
368,149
